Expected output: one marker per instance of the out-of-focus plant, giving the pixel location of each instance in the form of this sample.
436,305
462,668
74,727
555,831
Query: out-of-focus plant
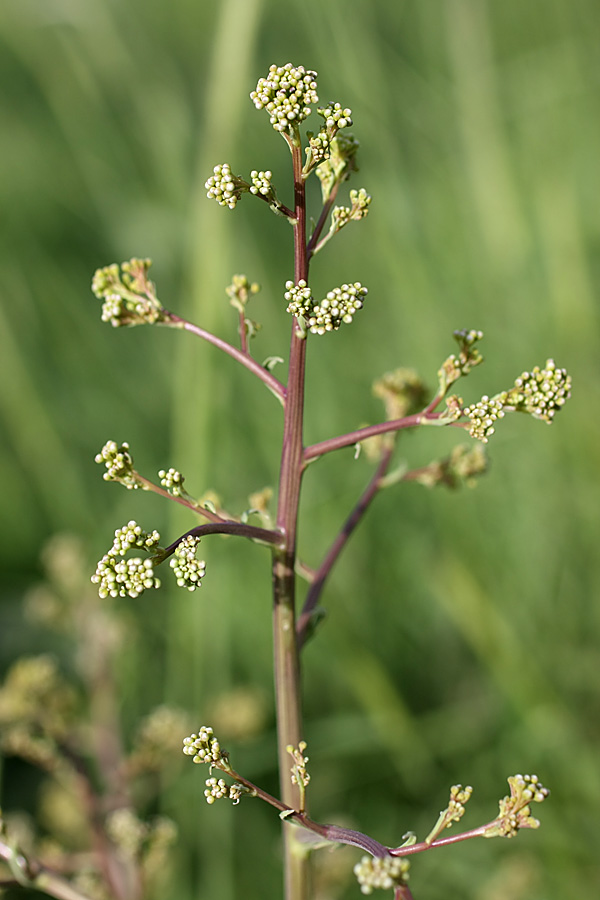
97,842
131,564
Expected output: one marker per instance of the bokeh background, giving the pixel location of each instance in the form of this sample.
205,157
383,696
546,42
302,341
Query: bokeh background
462,642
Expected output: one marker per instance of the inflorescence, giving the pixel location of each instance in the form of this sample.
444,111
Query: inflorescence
286,94
128,294
381,872
204,747
515,812
119,464
339,305
188,570
120,577
541,393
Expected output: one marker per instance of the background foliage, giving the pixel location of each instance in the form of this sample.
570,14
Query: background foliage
462,641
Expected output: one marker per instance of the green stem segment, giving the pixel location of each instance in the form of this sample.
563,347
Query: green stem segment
285,647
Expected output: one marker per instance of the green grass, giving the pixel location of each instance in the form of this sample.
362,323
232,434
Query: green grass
463,636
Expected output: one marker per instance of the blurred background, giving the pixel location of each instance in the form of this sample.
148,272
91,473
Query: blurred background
462,641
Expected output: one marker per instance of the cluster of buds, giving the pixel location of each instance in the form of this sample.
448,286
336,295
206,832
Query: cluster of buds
172,481
338,306
335,117
454,812
240,290
402,391
360,202
381,872
128,295
120,577
286,94
225,187
340,163
483,415
203,747
218,789
188,570
461,363
119,464
515,812
541,392
157,739
261,183
462,466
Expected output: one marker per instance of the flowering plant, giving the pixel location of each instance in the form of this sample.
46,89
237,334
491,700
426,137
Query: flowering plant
129,568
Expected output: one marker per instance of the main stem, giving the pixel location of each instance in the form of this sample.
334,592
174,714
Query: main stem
285,647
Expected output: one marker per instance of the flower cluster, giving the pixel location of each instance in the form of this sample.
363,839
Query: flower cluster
172,480
461,364
340,162
317,150
119,464
218,789
402,391
335,118
188,570
128,294
515,812
341,215
261,183
299,771
483,416
339,305
541,393
157,739
381,872
286,94
203,747
240,290
225,187
120,577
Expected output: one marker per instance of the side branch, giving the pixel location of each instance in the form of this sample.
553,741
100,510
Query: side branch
274,385
322,573
361,434
250,531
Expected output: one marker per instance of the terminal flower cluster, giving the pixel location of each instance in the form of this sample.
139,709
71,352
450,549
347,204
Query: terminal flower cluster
335,118
218,789
286,94
225,187
339,305
541,392
172,480
119,464
461,363
261,183
128,294
515,812
188,570
340,163
483,415
381,872
120,577
204,747
359,208
402,391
